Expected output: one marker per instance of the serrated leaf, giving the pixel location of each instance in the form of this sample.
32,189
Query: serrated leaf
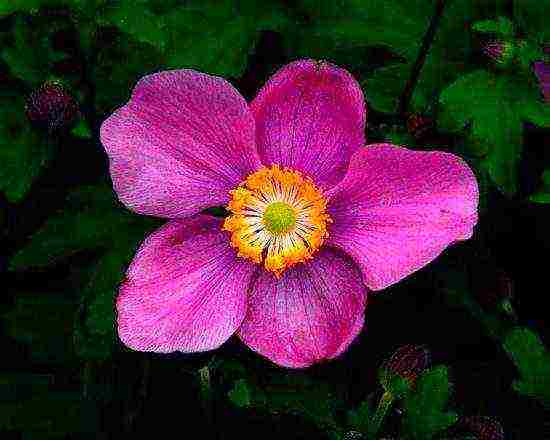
23,152
490,110
533,362
425,412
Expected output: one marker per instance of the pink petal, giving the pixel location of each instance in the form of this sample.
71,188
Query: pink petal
312,313
180,144
310,116
397,209
184,291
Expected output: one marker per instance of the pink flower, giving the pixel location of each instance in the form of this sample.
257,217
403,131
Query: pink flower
316,220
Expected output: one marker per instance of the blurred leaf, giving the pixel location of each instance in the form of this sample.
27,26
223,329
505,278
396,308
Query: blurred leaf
533,362
425,412
136,19
359,418
82,130
91,220
500,25
240,394
491,109
120,64
543,194
43,322
30,404
30,56
217,38
290,393
23,152
531,16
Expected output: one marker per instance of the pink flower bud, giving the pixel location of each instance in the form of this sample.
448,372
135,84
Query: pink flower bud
499,51
408,361
485,428
542,72
51,106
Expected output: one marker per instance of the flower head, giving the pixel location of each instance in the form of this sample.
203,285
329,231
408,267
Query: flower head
51,106
316,219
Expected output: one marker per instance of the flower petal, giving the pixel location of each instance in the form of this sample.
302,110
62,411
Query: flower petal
185,290
180,144
397,209
312,313
310,116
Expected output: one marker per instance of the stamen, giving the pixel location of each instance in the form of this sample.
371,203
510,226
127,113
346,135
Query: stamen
278,218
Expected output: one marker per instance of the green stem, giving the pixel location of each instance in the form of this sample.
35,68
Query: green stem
382,409
406,96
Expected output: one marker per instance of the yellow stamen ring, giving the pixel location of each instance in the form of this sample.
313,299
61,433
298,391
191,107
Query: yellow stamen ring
278,218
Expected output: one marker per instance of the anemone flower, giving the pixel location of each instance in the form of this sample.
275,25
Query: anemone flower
316,218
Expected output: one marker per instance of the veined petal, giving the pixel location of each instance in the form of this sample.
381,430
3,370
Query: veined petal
311,313
310,116
398,209
180,144
185,289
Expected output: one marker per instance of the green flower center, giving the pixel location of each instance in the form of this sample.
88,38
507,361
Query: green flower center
279,218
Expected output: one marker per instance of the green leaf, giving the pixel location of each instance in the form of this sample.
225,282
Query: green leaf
425,412
290,393
29,404
218,38
136,19
359,418
82,130
43,322
120,64
240,394
443,64
501,25
543,194
533,362
490,110
531,17
23,152
92,220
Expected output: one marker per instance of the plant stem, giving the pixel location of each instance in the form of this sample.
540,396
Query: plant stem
427,40
382,409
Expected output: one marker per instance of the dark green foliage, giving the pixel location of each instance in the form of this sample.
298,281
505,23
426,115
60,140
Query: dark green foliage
425,412
532,361
63,364
23,151
92,220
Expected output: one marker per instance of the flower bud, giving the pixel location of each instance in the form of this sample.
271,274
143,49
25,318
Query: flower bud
407,363
485,428
501,52
419,125
52,107
542,72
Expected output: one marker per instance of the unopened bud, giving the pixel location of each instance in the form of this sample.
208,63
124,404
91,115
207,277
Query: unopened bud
51,106
485,428
404,367
501,52
542,72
